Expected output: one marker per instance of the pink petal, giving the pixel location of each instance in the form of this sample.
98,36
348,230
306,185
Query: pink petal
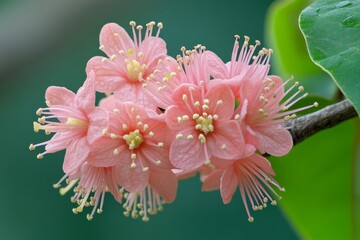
102,152
111,183
153,49
99,120
187,154
217,67
164,182
59,96
227,135
76,154
133,92
251,90
228,185
182,175
188,90
132,179
128,112
275,140
212,182
171,118
108,103
262,163
58,142
85,97
109,76
234,83
114,38
221,93
154,154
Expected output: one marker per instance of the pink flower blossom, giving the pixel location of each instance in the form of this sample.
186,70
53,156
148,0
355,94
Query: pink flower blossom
95,181
262,111
202,126
263,103
191,67
77,124
137,145
129,62
253,176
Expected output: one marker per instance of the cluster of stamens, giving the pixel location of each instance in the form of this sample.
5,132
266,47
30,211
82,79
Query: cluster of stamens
134,137
241,58
46,124
280,113
142,203
204,121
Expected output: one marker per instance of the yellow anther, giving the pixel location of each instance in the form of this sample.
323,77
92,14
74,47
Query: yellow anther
39,111
202,138
196,116
116,152
89,217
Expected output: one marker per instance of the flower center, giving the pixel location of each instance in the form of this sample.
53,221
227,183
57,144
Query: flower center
134,139
204,123
76,122
134,70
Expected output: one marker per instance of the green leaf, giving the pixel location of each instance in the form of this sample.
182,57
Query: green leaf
317,176
290,54
332,32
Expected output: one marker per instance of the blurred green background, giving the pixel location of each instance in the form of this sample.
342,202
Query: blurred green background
45,43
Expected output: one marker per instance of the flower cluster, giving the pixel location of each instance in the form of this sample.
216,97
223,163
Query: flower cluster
164,119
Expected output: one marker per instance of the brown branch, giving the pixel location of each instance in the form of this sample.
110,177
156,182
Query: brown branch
306,126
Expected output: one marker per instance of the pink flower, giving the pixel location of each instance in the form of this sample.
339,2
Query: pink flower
92,184
263,106
129,62
77,124
136,144
253,175
192,67
262,111
202,126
